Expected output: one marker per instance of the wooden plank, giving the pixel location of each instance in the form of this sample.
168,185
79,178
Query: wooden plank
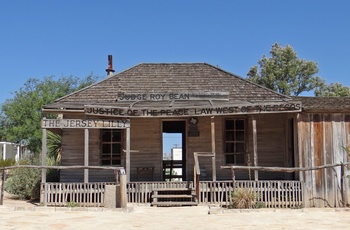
86,155
255,148
213,148
43,155
3,177
123,193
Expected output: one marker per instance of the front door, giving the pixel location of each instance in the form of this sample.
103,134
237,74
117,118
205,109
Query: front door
174,150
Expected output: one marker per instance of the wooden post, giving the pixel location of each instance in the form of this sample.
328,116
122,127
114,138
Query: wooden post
86,155
123,193
43,194
197,188
343,186
3,176
128,154
213,148
255,148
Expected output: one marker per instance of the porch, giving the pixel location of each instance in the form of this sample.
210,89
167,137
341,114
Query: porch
272,194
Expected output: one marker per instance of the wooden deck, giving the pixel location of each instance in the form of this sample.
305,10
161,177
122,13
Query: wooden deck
273,194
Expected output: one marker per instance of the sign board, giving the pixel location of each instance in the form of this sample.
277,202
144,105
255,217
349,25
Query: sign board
193,111
84,124
172,96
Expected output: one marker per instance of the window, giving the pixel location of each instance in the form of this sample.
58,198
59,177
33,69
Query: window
235,141
111,146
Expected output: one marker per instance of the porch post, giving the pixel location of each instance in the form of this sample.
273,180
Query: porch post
43,156
127,155
43,194
86,155
255,148
213,148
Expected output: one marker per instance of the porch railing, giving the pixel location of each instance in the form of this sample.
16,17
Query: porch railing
71,194
273,194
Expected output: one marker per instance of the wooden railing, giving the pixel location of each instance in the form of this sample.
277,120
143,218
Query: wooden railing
273,194
71,194
141,192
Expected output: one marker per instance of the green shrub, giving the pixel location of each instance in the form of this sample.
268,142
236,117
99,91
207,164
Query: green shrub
243,198
7,162
72,204
25,182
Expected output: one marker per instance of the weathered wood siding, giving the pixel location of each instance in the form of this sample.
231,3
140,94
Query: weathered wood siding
73,154
271,146
272,142
146,139
323,138
146,147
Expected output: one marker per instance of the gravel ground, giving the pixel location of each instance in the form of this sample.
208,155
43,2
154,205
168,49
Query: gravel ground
16,214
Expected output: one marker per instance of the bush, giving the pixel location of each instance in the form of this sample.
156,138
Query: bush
243,198
7,162
25,182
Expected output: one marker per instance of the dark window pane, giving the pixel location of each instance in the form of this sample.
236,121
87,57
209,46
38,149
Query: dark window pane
240,136
240,159
240,148
229,135
106,136
116,149
116,162
116,136
239,124
229,147
106,148
230,159
106,162
230,124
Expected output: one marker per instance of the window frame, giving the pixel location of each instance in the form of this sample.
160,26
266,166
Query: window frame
234,141
112,157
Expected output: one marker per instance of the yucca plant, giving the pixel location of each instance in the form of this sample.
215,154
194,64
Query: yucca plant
243,198
54,145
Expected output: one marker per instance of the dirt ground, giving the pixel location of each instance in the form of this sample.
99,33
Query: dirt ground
16,214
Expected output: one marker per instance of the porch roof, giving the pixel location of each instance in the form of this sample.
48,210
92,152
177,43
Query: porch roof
324,104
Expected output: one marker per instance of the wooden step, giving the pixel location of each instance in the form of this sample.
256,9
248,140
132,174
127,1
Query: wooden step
172,196
173,203
173,189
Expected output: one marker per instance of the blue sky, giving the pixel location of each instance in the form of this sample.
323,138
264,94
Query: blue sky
42,38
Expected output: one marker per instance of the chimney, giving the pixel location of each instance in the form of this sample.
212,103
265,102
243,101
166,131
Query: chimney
110,69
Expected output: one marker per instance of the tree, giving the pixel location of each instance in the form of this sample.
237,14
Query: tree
21,115
284,72
332,90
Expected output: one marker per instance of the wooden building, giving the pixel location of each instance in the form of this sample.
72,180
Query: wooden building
125,119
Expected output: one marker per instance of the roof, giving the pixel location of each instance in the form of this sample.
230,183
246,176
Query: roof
167,78
324,104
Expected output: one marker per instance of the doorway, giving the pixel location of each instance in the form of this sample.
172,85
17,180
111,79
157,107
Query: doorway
174,150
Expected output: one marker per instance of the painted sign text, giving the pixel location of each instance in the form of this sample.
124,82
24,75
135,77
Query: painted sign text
172,96
90,124
175,112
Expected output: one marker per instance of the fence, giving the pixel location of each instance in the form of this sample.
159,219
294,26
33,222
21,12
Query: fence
63,194
273,194
66,194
